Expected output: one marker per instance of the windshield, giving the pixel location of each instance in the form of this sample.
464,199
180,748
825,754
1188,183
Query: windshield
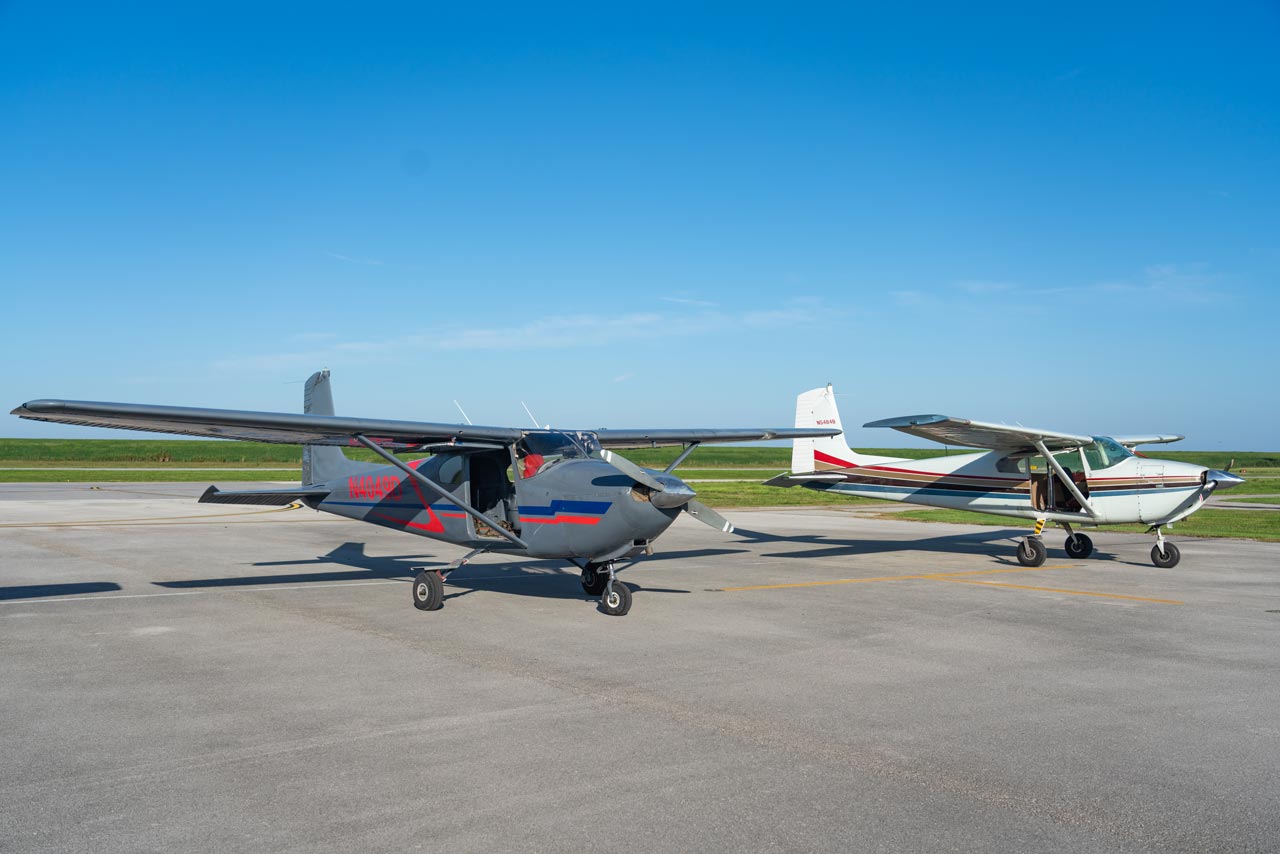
1105,452
541,450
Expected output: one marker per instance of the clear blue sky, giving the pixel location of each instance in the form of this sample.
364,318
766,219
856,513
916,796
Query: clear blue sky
649,217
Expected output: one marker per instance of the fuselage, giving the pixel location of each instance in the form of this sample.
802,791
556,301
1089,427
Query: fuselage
580,508
1125,490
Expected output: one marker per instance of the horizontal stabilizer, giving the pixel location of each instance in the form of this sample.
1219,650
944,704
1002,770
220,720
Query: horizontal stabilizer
785,480
270,497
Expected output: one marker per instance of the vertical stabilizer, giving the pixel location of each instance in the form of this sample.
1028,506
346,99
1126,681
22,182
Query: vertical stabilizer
817,408
321,463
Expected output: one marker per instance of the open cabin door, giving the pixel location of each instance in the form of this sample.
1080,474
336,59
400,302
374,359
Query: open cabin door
1048,492
490,490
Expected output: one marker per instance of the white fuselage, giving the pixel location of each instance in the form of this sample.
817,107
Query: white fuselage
1135,489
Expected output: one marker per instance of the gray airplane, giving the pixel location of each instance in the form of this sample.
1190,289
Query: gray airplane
572,498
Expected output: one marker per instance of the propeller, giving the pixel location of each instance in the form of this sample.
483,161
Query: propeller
668,491
707,516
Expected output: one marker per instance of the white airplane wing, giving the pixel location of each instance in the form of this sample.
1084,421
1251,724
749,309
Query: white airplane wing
977,434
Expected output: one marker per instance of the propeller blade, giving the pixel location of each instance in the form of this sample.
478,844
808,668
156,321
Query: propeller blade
707,516
632,471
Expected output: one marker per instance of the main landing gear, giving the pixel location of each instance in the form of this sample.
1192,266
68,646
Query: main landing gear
599,579
428,584
1032,551
1078,546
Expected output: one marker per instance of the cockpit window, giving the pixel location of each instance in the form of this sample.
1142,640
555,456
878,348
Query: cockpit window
1105,452
539,451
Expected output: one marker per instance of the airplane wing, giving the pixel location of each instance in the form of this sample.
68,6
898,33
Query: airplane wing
294,429
976,434
1161,439
658,438
277,427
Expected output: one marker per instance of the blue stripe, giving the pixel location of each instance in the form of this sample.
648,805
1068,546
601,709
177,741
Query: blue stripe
589,508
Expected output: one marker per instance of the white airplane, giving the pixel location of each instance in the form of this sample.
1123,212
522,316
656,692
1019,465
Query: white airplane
1047,476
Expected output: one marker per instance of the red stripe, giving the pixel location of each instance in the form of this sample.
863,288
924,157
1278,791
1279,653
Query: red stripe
559,520
827,458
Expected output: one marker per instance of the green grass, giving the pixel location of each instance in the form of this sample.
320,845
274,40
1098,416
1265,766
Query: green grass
754,495
1245,524
212,475
1257,499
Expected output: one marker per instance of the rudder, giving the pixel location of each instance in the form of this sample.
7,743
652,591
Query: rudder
817,408
321,463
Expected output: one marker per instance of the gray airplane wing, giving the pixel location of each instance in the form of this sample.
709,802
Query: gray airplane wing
278,427
658,438
293,429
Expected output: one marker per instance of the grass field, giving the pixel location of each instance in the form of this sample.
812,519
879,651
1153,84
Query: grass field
55,461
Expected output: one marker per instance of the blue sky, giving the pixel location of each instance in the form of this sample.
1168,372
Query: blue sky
649,216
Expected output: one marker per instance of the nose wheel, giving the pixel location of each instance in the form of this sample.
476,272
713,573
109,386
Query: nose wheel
1164,555
600,579
616,601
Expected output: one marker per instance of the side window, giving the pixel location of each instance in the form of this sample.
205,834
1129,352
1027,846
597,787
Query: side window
1012,465
451,471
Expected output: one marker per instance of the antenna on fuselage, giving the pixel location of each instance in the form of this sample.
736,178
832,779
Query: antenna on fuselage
463,411
536,425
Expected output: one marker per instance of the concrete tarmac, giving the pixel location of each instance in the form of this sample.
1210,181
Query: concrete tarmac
183,677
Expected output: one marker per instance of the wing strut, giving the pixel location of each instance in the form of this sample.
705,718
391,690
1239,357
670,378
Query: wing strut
684,455
1062,476
440,490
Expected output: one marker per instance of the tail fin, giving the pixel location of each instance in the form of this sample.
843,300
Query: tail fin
321,463
817,408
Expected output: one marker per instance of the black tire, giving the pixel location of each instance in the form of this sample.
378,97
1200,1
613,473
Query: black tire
1031,552
428,591
617,603
594,581
1169,559
1079,546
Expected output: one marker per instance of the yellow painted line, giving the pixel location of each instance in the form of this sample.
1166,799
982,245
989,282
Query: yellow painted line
1061,590
932,575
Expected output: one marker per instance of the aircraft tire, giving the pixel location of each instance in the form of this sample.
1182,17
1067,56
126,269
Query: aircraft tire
1079,546
1169,559
594,581
617,603
428,591
1031,552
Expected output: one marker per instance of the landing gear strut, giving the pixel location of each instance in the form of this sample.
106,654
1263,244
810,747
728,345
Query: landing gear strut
616,601
1164,555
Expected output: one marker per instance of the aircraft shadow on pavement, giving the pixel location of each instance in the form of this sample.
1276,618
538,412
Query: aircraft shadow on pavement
544,579
42,591
996,542
350,554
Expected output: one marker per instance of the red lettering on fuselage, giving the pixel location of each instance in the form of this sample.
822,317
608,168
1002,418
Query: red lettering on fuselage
368,486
